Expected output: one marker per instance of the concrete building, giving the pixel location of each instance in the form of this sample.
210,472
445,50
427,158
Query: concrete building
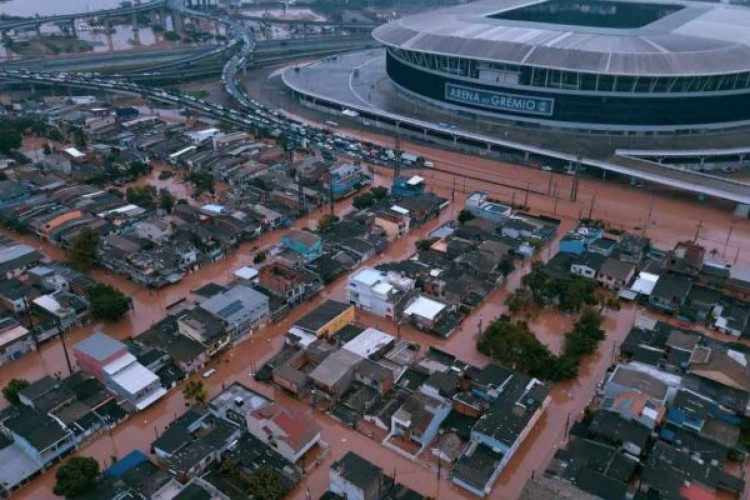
326,319
15,340
377,292
242,309
290,432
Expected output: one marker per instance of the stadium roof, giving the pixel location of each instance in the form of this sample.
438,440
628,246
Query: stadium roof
697,39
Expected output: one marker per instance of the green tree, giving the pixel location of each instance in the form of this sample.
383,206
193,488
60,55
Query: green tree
143,196
138,168
266,484
166,200
47,149
171,36
520,301
424,244
326,222
107,302
202,182
79,139
260,257
465,216
364,200
379,192
77,477
10,391
165,174
195,391
83,250
10,138
506,267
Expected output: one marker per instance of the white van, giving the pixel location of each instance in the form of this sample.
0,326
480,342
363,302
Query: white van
209,372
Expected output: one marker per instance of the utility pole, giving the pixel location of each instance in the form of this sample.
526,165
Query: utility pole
330,191
698,230
726,243
65,347
574,184
591,208
647,222
397,155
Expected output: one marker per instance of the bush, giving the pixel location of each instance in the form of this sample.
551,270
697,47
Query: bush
465,216
326,221
364,200
77,477
107,302
260,257
10,391
379,192
83,250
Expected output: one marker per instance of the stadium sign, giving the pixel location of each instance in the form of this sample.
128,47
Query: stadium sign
501,101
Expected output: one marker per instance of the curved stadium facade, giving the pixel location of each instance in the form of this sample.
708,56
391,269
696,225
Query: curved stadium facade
596,64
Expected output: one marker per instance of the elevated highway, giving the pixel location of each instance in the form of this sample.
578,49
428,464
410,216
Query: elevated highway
120,11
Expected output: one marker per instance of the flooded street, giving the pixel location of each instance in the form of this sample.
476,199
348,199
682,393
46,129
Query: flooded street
621,206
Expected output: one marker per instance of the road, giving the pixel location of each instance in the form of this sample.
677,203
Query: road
674,219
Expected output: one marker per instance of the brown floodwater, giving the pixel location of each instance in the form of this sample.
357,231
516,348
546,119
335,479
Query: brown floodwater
673,220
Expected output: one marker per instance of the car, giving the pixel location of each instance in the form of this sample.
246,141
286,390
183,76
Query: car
547,168
209,372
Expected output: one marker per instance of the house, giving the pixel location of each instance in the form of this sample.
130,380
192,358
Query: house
196,456
371,343
425,312
378,292
326,319
335,374
109,361
490,382
633,248
587,265
685,259
290,432
615,274
572,244
394,224
727,367
505,425
16,258
419,418
235,401
65,309
203,327
16,295
631,436
731,319
309,246
668,473
15,340
241,308
354,478
624,379
479,205
670,293
636,406
603,246
96,351
41,438
343,179
375,376
408,187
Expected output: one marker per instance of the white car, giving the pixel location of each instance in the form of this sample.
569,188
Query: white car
547,168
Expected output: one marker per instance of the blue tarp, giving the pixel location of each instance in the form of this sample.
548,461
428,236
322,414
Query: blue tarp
119,468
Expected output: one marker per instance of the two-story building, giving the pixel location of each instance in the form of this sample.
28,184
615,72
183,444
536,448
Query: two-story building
308,246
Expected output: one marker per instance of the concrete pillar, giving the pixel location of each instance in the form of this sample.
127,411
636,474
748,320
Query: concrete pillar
136,31
38,28
73,28
525,156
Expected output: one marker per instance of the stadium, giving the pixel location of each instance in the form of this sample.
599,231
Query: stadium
647,67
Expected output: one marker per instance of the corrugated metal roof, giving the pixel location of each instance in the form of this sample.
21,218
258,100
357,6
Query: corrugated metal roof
700,39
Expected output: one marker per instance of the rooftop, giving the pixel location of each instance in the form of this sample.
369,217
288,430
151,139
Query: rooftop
237,398
369,342
425,307
322,315
679,38
99,346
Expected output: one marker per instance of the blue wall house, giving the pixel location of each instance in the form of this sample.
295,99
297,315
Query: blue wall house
307,245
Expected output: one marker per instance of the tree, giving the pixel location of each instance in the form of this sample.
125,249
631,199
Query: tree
260,257
201,181
166,200
363,201
424,244
47,149
506,267
143,196
265,484
171,36
79,139
379,192
83,250
465,216
195,392
107,302
11,138
520,301
137,168
77,477
326,221
10,391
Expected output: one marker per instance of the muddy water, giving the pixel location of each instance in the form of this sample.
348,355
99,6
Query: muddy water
674,220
